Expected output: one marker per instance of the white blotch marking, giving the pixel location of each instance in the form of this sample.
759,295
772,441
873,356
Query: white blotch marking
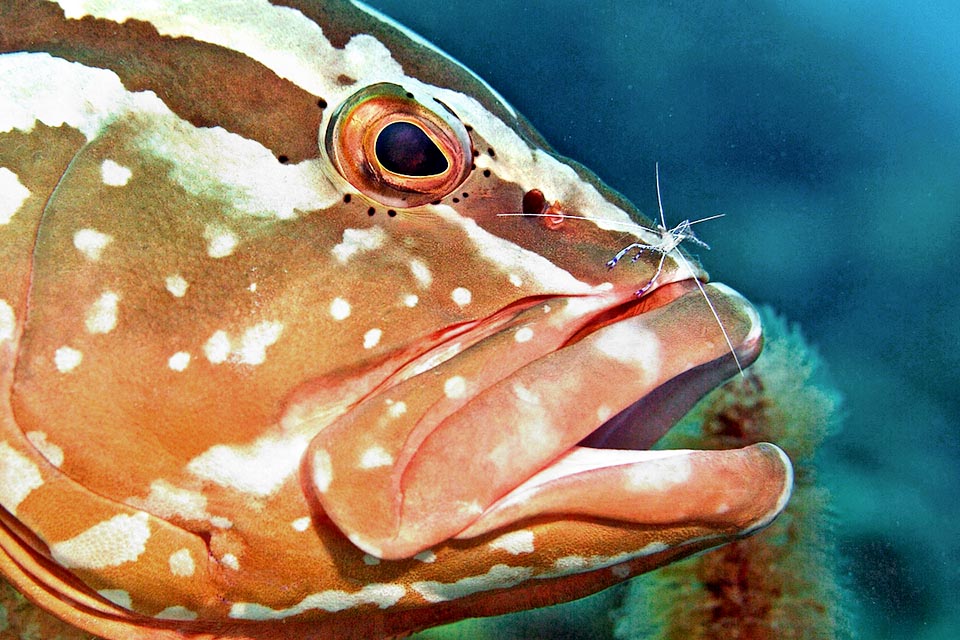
632,345
217,348
500,576
461,296
723,507
251,348
176,612
230,561
8,321
67,359
322,470
455,387
427,556
659,474
301,524
411,300
375,457
372,338
397,409
525,395
421,272
370,560
182,564
91,243
221,522
47,449
258,468
382,595
118,597
256,339
179,361
516,280
12,195
167,501
339,309
122,538
102,314
220,242
604,413
19,476
176,285
114,175
515,542
523,334
357,241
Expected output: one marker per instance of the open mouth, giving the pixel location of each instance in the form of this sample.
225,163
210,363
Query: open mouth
549,410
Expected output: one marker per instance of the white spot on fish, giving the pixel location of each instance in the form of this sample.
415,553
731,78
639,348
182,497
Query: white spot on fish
499,576
523,334
339,309
659,474
179,361
181,563
122,538
516,280
410,300
301,524
12,195
382,595
525,395
102,314
8,322
421,272
220,242
67,359
230,561
604,413
91,243
427,556
370,560
258,468
372,338
118,597
322,470
176,612
374,457
461,296
256,339
19,476
114,175
47,449
515,542
630,344
176,285
396,409
356,241
455,387
217,348
167,501
252,347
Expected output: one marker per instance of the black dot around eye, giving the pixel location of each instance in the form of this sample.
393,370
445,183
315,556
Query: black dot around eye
371,211
346,198
486,173
465,194
283,159
391,213
321,103
456,200
491,152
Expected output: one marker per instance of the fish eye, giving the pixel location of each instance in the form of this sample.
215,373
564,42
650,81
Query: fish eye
395,150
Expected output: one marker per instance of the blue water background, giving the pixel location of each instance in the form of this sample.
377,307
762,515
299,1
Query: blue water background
829,135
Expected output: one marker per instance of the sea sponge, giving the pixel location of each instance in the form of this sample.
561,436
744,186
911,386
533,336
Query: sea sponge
781,583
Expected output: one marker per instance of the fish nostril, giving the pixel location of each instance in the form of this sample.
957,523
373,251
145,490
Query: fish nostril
534,202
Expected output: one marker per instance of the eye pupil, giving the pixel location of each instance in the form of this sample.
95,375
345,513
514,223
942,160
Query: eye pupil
403,148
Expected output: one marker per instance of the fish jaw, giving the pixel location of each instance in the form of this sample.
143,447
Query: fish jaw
488,439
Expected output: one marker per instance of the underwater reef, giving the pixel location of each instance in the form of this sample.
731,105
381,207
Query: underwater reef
780,583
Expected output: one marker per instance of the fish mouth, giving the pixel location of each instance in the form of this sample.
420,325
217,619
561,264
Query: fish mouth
547,410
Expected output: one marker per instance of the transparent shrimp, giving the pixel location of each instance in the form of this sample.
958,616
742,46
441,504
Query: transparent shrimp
667,244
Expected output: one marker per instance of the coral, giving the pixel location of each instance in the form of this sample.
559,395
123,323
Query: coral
21,620
782,582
